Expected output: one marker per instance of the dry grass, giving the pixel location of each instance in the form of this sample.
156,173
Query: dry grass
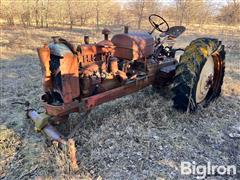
139,136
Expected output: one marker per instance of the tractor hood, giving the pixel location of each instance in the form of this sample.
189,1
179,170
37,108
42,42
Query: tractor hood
133,46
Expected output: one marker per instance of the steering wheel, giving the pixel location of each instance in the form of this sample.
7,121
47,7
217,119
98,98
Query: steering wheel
158,23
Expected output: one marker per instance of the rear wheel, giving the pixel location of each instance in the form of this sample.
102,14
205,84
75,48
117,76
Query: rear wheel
199,74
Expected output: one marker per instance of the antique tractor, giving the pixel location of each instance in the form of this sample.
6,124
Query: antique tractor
76,79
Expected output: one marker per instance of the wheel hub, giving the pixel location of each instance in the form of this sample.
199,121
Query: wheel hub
205,80
209,81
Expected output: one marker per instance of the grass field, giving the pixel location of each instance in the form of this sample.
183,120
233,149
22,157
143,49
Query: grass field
139,136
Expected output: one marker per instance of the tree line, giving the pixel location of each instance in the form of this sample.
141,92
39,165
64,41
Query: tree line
51,13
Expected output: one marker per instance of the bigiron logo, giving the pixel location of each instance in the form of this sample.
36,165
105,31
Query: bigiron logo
201,171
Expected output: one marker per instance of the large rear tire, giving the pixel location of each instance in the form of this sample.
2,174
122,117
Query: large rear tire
199,74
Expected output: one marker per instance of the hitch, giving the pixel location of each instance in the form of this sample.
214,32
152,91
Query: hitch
42,124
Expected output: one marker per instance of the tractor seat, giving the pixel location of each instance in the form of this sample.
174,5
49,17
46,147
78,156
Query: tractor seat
175,31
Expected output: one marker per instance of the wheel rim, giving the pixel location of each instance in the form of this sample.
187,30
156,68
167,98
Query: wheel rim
205,80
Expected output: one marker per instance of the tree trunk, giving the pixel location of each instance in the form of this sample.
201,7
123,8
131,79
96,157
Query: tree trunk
28,14
97,15
10,20
36,13
71,25
42,21
142,5
139,22
42,18
36,21
97,18
46,18
71,20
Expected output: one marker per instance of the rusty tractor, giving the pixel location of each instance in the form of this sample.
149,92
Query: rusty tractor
76,79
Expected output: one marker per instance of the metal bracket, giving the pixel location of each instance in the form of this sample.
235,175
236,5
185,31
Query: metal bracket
82,106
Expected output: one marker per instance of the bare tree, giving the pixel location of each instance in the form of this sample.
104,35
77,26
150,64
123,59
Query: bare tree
70,12
230,13
191,11
180,10
137,9
79,11
141,9
8,12
46,14
36,13
84,13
